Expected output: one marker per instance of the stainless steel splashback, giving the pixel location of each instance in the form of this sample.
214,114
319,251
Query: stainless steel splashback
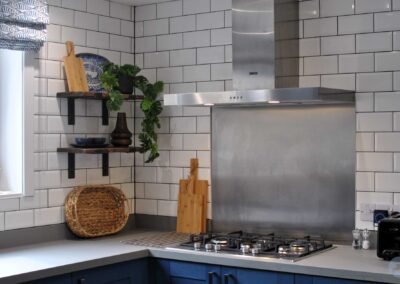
265,44
289,169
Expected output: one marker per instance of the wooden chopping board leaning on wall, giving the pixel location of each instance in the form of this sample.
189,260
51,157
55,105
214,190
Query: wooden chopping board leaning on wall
76,76
192,202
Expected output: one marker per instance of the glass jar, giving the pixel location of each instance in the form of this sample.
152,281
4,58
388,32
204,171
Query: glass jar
356,239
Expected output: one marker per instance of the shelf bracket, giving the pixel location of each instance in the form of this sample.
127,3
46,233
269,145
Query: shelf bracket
71,111
105,164
105,154
104,111
71,165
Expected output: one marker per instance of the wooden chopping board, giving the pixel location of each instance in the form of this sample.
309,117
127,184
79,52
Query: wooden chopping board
192,203
76,76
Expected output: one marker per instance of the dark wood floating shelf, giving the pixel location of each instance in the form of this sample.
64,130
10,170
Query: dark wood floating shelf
94,96
72,96
104,151
110,149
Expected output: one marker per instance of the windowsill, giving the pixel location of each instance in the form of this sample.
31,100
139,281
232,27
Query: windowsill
9,194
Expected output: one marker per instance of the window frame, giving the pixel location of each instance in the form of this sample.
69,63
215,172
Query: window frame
28,103
28,171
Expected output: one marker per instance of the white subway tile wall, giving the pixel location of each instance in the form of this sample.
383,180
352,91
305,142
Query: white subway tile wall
107,28
352,44
190,51
348,44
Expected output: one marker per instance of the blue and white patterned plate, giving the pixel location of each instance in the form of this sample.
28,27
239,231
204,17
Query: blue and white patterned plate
93,68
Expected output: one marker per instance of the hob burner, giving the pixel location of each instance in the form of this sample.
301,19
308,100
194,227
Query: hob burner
248,244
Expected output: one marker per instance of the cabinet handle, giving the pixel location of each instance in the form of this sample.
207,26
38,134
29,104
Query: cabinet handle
210,277
82,281
226,278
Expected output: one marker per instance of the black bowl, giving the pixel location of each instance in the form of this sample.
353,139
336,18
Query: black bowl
81,141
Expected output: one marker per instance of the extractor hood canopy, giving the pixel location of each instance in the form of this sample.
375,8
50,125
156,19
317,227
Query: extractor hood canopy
265,60
263,97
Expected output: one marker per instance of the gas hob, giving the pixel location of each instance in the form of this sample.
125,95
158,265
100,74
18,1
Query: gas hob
256,245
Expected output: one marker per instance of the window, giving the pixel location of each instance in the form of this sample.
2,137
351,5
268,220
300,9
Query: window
16,123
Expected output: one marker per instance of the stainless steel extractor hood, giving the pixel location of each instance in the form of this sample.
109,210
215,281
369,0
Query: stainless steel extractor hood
265,56
273,96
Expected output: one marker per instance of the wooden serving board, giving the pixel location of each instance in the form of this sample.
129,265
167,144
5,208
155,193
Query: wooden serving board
192,203
76,76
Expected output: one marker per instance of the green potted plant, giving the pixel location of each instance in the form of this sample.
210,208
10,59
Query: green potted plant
151,106
118,80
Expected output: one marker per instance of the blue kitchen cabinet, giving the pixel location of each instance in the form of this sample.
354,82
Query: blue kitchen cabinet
228,275
162,271
62,279
251,276
247,276
193,273
307,279
325,280
303,279
159,271
131,272
181,272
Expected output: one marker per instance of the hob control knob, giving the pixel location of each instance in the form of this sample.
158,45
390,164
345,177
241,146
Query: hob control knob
245,248
255,251
209,247
197,245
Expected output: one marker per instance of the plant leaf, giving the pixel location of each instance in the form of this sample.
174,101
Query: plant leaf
146,104
150,106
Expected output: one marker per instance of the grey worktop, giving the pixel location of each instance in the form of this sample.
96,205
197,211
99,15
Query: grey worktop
53,258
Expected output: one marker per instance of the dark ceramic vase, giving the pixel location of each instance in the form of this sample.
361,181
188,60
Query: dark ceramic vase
125,83
121,136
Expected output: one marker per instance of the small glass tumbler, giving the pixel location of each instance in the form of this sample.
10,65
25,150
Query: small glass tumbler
356,239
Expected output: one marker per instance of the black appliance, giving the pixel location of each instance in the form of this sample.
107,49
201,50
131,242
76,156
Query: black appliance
257,245
388,238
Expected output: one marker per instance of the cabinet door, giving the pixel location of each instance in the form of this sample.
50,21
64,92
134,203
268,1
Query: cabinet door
326,280
303,279
159,271
132,272
228,275
248,276
193,273
213,274
62,279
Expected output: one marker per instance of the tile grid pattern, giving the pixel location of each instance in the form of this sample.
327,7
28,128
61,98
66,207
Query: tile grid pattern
354,44
186,44
350,44
94,26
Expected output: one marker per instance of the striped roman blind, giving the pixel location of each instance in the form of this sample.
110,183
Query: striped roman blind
23,24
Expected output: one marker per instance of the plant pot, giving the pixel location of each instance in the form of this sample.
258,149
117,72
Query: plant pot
125,84
121,136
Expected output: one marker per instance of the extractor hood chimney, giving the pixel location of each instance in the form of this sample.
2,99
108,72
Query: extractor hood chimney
265,55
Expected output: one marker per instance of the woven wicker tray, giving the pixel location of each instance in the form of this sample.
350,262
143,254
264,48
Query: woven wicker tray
96,210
